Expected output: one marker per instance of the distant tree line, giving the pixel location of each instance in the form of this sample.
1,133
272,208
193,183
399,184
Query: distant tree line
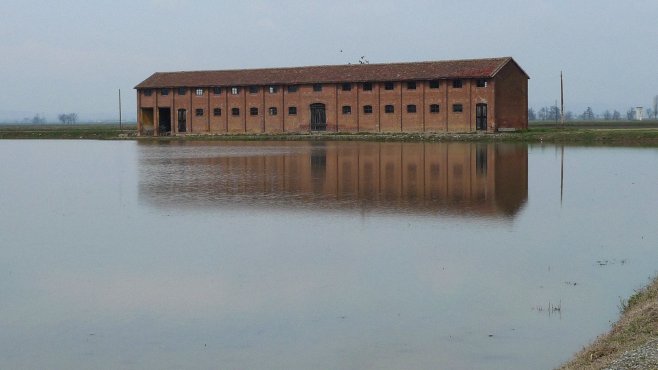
552,113
36,120
39,119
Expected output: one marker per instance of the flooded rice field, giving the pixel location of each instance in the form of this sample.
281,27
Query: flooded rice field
305,255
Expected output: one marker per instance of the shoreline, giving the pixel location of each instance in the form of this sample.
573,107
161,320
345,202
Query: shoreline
632,341
604,134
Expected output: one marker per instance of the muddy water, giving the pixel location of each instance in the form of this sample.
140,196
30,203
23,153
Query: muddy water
317,255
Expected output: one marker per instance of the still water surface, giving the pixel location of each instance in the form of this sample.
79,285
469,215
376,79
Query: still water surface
316,255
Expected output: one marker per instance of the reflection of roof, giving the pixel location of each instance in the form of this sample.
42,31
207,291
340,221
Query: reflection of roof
367,177
468,68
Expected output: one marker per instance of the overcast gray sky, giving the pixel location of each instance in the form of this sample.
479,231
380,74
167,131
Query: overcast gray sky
73,55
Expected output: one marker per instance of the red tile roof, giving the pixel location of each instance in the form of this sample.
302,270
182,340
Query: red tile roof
468,68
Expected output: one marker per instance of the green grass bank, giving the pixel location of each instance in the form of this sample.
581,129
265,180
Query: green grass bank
583,133
73,131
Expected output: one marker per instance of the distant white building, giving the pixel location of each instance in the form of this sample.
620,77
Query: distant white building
638,113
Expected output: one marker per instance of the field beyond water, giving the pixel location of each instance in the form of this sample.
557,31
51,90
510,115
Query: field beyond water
596,132
73,131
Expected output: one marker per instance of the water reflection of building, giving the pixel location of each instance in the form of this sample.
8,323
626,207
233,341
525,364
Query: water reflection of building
411,177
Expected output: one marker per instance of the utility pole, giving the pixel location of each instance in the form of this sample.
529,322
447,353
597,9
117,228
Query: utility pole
120,126
561,101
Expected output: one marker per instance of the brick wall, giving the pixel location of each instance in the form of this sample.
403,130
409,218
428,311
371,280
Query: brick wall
505,96
511,98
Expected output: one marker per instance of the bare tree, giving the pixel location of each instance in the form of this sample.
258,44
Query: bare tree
38,120
531,114
68,118
553,113
616,116
630,114
588,114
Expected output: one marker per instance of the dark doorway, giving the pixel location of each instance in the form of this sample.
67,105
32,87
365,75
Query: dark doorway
182,120
481,116
164,121
318,117
147,121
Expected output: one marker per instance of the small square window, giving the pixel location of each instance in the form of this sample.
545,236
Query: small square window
434,108
199,92
347,109
182,91
148,92
198,112
317,87
272,89
389,85
292,111
411,108
389,109
346,87
434,84
481,82
164,91
217,111
457,108
411,85
367,86
367,109
235,111
217,90
272,111
253,111
235,90
292,88
456,84
253,89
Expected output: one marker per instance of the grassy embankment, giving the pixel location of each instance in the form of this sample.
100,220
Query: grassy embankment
637,325
73,131
590,133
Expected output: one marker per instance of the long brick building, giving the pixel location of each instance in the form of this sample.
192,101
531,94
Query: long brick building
441,96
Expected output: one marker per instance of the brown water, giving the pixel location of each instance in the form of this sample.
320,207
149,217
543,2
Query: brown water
316,255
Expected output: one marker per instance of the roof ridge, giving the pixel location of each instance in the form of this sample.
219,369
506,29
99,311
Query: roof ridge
336,73
338,65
